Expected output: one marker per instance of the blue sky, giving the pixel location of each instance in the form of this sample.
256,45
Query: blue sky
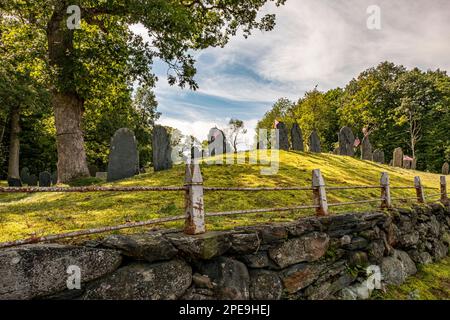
315,42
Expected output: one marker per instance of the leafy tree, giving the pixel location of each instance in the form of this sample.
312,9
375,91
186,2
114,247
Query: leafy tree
235,129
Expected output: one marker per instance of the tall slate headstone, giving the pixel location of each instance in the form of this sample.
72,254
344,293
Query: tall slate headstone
217,143
283,136
297,138
366,149
25,175
397,159
445,169
92,169
54,178
33,181
346,142
123,155
45,179
314,142
378,156
162,149
14,182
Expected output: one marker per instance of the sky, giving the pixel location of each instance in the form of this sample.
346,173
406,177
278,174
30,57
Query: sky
315,42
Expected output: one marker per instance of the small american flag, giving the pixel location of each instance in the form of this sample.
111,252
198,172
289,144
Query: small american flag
357,142
407,158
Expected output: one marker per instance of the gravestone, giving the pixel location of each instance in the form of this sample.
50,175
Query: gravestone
162,149
123,155
54,178
346,142
314,142
25,175
14,182
283,143
407,164
297,138
378,156
366,149
397,159
92,169
445,169
33,181
45,179
101,175
217,143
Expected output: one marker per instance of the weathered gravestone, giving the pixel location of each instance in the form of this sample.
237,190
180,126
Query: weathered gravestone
366,149
123,155
45,179
217,143
33,181
162,149
283,143
92,169
407,163
14,182
445,169
397,159
346,142
297,138
54,177
378,156
25,175
314,142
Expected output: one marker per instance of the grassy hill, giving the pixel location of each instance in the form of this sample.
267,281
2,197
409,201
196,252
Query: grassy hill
24,215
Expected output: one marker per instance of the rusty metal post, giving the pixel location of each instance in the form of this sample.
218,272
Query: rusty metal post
320,193
194,208
444,196
419,190
385,191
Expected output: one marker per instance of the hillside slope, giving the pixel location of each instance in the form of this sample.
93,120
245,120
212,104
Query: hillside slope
24,215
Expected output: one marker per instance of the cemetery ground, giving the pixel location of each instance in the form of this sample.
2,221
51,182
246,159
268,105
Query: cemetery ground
38,214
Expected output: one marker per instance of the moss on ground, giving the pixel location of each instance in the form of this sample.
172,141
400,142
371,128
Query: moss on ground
25,215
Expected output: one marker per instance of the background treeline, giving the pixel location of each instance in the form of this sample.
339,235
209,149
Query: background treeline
395,106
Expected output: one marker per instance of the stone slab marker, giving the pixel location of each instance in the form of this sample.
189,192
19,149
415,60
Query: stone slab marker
217,143
297,138
25,175
314,142
378,156
397,159
45,179
123,155
346,140
419,190
162,149
445,169
320,194
283,135
366,149
407,164
33,182
385,191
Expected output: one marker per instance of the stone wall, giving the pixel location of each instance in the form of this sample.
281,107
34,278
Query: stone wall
312,258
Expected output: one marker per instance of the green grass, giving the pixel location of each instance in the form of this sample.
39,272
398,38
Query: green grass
432,282
25,215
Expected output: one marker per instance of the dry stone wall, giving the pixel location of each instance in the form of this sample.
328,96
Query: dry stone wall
312,258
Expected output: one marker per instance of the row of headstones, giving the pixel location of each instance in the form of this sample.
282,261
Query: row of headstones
401,161
45,179
297,138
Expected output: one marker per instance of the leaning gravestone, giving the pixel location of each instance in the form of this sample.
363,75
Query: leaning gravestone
45,179
297,138
123,155
92,169
25,175
366,149
162,149
445,169
33,181
397,160
283,143
14,182
378,156
314,142
346,142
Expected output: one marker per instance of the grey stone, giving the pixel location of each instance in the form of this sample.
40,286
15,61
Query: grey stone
162,149
314,142
397,159
217,142
45,179
40,270
445,168
366,149
203,246
138,281
230,276
376,251
439,251
378,156
256,260
318,292
346,140
299,276
33,181
14,182
409,266
149,247
347,294
243,243
392,271
265,285
409,239
308,248
283,143
420,257
25,175
123,155
358,258
297,138
357,243
202,281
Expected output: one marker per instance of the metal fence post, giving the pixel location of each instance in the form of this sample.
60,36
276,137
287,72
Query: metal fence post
320,194
419,190
444,196
385,191
194,208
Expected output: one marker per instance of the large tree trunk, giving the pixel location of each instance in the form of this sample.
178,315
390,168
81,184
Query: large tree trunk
14,144
67,104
